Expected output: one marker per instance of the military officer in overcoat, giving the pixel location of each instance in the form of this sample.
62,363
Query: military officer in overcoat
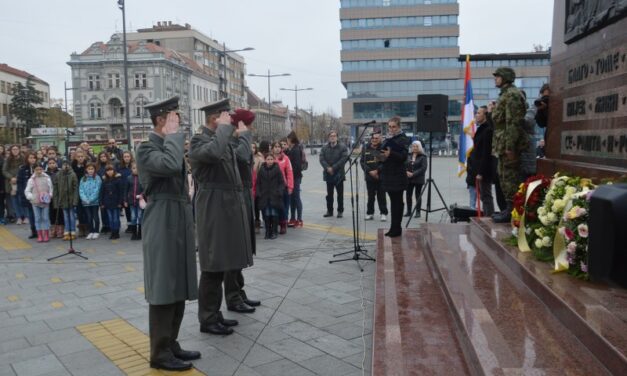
168,242
224,241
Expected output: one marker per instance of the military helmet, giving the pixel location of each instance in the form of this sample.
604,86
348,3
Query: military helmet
506,73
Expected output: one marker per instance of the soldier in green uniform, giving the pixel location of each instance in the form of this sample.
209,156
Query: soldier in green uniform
168,242
234,281
509,138
224,241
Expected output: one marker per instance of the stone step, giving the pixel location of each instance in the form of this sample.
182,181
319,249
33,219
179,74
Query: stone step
504,328
413,332
596,313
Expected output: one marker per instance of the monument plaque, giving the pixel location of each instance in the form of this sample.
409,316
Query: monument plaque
587,131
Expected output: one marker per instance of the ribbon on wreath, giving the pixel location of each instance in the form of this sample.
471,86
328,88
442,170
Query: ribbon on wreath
523,244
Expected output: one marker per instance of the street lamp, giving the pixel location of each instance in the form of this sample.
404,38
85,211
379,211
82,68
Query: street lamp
223,93
269,76
127,113
296,90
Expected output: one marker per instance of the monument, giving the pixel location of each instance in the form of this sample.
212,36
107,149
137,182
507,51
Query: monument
587,131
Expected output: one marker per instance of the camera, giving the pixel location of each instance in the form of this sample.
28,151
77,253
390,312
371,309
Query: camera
544,99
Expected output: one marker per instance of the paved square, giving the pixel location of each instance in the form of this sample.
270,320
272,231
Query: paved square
315,317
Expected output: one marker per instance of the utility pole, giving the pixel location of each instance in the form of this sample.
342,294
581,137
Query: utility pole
126,112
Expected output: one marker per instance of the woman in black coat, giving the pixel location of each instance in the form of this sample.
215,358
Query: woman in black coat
394,174
23,174
416,168
269,187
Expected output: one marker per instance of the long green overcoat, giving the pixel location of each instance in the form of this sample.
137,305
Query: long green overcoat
168,224
223,227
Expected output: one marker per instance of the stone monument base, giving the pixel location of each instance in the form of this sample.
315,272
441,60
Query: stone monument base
453,299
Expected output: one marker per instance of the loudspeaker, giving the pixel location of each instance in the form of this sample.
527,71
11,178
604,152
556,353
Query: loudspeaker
462,213
431,113
607,242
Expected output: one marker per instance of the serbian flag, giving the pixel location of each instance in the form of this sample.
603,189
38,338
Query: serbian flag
468,123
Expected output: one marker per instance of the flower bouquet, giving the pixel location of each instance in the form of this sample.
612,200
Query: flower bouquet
575,234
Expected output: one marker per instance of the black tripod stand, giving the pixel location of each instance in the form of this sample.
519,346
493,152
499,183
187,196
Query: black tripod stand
358,252
427,186
70,250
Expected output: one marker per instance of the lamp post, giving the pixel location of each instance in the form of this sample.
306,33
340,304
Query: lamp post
127,113
269,76
296,90
224,92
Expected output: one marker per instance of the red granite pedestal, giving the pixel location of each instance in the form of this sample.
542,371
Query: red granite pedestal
451,299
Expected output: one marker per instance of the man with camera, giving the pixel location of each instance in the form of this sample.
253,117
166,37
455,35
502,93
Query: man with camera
114,151
371,164
224,242
168,242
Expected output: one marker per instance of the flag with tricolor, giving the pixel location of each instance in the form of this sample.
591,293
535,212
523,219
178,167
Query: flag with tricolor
468,123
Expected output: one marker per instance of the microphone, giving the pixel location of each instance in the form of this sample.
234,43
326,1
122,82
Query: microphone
371,122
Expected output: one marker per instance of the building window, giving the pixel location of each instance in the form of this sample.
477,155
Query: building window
114,80
140,81
428,21
95,111
2,87
94,82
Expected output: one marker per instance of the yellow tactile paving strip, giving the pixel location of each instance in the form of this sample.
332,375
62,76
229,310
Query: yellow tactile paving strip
339,231
10,242
127,347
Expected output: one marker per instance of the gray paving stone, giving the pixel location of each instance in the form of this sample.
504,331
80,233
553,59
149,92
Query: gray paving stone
39,366
216,363
327,365
336,346
270,335
302,331
70,346
283,367
85,318
13,345
294,350
259,355
23,330
23,354
44,338
89,362
246,371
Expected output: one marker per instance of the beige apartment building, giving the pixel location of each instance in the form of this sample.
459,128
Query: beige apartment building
9,76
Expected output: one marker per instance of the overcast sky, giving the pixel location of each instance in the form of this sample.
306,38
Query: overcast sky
300,37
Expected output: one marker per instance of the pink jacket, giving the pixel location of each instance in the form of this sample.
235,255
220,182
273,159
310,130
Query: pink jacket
286,168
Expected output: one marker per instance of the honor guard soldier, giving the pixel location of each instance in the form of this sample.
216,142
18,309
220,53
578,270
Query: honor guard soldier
168,243
224,240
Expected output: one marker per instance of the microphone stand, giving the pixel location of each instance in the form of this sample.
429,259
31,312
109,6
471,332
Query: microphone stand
70,250
358,252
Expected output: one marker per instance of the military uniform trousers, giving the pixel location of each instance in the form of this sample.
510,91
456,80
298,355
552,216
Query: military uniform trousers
164,324
510,176
210,294
234,287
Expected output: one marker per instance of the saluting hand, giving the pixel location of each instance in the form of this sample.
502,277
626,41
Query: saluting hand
172,124
241,127
224,118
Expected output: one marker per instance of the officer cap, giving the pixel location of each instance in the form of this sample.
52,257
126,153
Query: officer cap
242,115
217,107
163,107
506,73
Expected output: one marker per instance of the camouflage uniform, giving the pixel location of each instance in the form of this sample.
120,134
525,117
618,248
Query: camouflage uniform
509,135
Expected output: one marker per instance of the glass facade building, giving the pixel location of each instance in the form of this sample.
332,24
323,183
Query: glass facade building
395,50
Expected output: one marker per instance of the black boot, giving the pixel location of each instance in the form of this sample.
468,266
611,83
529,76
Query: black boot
268,225
506,215
139,232
130,229
135,235
275,227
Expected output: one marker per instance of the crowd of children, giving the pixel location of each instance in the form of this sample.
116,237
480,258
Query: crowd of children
58,196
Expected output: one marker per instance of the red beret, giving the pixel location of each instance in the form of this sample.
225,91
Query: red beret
242,115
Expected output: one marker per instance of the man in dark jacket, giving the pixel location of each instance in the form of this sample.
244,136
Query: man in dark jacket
224,244
371,164
333,156
168,242
115,153
394,173
480,161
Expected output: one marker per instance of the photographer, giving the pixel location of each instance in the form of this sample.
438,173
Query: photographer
115,153
542,105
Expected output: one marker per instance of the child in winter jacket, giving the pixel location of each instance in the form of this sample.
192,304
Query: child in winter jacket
134,192
89,192
269,187
39,192
112,199
66,198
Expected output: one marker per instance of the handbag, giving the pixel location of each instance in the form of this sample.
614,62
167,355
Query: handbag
44,197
